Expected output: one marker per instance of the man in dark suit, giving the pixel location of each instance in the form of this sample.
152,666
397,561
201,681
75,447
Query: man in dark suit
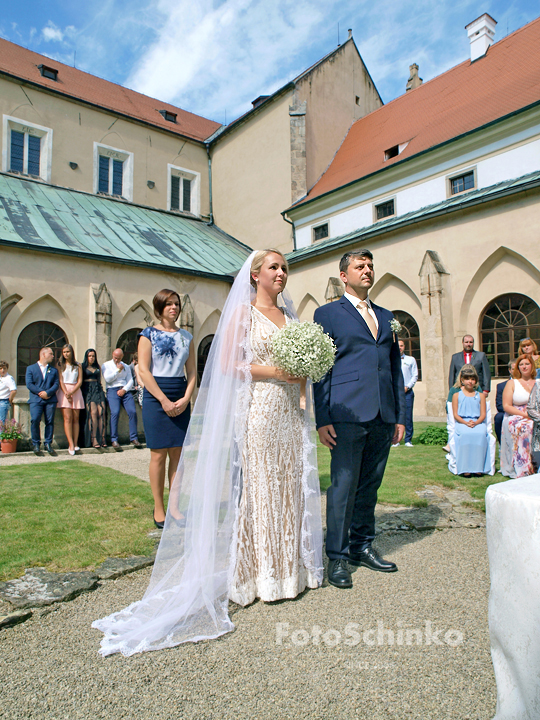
497,421
42,381
360,412
469,356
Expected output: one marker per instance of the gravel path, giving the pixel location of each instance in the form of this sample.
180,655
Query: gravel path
130,461
51,668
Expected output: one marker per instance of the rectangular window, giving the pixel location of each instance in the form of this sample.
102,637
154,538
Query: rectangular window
462,182
117,171
17,151
107,183
103,181
34,153
320,232
25,153
180,190
384,210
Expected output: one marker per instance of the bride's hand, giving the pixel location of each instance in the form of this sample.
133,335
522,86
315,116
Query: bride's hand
283,376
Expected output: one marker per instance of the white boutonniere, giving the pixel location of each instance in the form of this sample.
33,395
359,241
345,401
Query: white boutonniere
396,327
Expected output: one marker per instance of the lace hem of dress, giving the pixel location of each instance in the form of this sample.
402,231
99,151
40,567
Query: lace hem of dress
270,590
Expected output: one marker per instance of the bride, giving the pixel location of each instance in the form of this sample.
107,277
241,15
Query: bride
247,487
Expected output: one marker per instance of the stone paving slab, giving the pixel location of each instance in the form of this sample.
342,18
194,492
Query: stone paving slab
39,587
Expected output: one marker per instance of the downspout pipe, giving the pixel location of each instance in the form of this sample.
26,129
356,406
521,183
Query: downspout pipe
210,201
293,229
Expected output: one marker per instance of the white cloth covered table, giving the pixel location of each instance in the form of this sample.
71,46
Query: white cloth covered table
513,537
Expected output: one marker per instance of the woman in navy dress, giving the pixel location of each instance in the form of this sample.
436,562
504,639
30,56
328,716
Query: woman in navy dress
469,406
167,369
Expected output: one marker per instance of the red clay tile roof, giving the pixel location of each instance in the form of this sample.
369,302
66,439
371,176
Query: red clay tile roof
21,63
466,97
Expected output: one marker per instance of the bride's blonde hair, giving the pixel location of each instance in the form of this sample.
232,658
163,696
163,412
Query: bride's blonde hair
258,259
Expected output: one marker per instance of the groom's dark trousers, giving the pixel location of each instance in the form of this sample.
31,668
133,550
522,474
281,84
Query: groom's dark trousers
363,398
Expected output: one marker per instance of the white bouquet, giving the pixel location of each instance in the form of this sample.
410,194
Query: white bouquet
303,349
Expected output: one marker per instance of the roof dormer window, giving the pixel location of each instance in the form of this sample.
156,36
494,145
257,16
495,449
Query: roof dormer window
169,116
395,150
48,72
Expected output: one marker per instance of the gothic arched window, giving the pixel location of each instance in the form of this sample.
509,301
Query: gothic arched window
32,339
504,323
128,342
410,334
202,356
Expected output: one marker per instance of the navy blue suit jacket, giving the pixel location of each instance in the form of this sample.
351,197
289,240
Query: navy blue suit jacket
366,378
35,382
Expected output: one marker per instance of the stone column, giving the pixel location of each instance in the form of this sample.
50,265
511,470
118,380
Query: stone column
334,290
297,113
433,285
103,311
187,314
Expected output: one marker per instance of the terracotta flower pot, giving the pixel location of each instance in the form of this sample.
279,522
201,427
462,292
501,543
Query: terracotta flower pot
9,446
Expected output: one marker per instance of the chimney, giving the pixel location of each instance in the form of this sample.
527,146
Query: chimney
350,33
481,33
414,81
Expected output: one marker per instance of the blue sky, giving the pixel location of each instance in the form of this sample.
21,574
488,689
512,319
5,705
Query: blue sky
214,58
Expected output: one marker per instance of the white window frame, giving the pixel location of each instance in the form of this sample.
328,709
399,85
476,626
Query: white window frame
45,152
127,168
195,178
383,202
316,227
458,174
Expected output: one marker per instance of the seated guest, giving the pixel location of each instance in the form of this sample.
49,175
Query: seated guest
471,443
42,381
8,390
529,347
515,452
119,382
95,402
70,399
499,402
533,411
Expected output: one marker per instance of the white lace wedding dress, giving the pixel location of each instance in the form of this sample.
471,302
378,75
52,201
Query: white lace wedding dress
269,562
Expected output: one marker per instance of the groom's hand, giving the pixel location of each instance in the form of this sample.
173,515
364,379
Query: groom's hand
398,434
327,435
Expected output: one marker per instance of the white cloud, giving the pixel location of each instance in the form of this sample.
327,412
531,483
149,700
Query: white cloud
52,33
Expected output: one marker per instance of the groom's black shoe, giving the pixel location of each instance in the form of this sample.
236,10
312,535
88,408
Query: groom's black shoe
368,557
338,574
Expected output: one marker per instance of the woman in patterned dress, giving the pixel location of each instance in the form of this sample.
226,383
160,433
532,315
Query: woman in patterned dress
167,369
515,453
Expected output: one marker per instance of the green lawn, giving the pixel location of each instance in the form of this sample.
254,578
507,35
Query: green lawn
70,516
409,469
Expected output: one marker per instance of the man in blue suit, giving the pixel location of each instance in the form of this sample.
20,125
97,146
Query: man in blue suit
360,412
42,381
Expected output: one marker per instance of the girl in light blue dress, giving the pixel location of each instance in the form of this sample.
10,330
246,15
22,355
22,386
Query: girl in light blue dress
471,441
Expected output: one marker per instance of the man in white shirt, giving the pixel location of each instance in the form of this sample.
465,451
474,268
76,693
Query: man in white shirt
409,368
8,388
119,381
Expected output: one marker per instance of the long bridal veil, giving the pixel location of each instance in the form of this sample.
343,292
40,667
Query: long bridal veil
187,598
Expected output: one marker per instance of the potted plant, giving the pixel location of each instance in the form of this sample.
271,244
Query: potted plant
10,432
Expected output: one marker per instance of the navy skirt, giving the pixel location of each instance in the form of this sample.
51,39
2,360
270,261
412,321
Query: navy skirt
162,431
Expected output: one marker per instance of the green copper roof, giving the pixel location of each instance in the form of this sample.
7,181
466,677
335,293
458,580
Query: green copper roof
41,217
457,202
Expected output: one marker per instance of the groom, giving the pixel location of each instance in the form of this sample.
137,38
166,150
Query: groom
360,412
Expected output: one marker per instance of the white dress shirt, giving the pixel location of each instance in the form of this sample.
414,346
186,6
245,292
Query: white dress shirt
7,386
409,368
354,300
43,368
117,378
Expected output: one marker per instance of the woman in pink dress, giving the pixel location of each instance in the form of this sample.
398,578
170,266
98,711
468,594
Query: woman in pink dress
70,398
516,459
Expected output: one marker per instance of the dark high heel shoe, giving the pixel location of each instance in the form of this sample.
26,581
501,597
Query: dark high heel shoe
159,525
